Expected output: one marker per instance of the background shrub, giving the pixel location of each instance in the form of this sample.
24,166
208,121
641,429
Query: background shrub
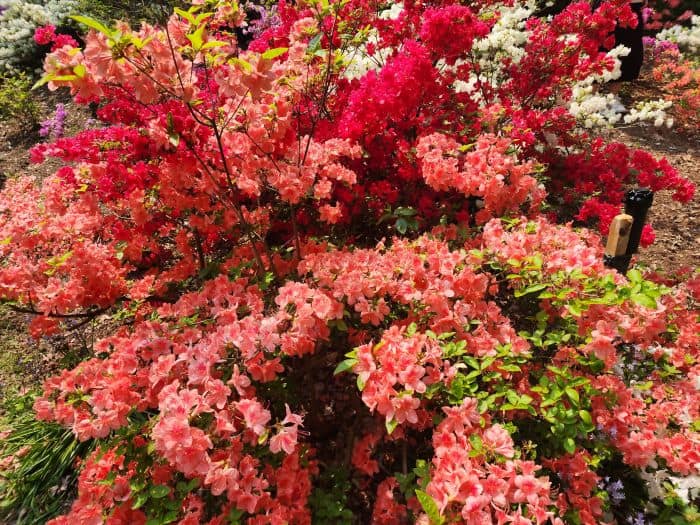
132,10
17,102
19,20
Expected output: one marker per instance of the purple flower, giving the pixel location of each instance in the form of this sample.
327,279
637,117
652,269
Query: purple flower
54,127
658,47
616,491
266,19
638,519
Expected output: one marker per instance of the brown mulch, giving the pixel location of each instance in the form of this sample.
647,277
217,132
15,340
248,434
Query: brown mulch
677,225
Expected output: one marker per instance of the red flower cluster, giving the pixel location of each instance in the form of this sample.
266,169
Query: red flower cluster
45,35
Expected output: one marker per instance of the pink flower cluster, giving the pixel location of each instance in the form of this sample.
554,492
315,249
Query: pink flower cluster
470,489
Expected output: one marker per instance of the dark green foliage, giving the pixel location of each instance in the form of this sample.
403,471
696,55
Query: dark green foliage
329,499
42,482
131,10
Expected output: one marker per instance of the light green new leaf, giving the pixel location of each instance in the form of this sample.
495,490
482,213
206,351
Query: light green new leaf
430,507
273,53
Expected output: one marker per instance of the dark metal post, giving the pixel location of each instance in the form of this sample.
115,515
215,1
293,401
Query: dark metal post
617,262
637,204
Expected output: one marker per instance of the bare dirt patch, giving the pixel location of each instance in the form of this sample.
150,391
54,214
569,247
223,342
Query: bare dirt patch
15,144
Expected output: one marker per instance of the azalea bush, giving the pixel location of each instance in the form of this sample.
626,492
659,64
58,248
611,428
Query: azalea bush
665,14
340,292
672,61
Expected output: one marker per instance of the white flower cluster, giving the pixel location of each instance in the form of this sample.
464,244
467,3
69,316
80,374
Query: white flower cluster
687,38
607,76
651,111
686,487
508,35
19,19
470,86
358,62
393,12
592,109
596,110
506,39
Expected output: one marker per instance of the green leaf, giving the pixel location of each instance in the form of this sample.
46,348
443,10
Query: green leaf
644,300
80,70
391,425
360,383
340,325
314,44
538,287
42,81
197,38
472,362
585,417
574,309
93,24
137,485
401,225
509,368
487,362
273,53
202,17
404,211
214,43
140,501
430,507
572,394
243,64
569,445
344,366
186,15
64,78
634,276
476,442
159,491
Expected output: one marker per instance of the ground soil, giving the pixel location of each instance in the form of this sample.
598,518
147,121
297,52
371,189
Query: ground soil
17,138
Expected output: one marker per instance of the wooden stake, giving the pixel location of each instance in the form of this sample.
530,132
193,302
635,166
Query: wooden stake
619,235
